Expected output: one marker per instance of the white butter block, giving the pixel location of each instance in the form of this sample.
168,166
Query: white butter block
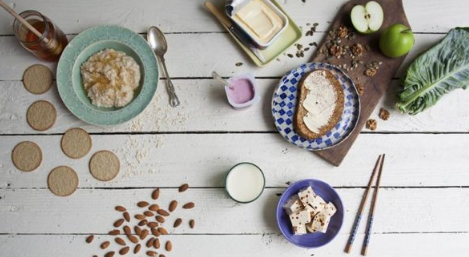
293,205
319,224
306,195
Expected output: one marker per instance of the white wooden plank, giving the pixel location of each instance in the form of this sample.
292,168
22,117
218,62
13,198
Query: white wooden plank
416,245
191,16
189,56
399,210
203,159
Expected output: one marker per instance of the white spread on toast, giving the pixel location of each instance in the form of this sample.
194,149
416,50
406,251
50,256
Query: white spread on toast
320,102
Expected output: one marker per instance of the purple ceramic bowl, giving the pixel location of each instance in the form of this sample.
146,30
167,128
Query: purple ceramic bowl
311,240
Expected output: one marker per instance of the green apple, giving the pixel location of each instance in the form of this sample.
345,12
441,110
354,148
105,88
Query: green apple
396,41
367,19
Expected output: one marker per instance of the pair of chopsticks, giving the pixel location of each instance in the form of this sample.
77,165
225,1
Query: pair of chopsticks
353,233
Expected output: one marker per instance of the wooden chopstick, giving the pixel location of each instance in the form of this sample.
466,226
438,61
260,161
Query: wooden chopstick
372,210
358,218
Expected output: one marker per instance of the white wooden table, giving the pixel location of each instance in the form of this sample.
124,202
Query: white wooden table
423,208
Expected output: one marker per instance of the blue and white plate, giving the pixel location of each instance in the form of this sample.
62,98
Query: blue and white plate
284,104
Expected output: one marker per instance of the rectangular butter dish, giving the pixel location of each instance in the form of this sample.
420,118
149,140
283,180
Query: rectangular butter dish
285,40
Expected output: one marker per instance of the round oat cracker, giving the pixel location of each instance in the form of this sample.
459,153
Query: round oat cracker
104,165
37,79
76,143
62,181
41,115
26,156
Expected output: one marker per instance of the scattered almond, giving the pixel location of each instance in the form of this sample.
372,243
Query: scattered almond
162,212
169,246
120,208
137,248
150,242
162,231
154,207
152,224
132,239
124,250
144,234
183,188
118,223
120,241
155,194
114,232
137,230
142,204
126,216
152,253
105,245
160,219
140,216
192,223
142,223
109,254
177,222
148,213
89,239
173,205
155,232
127,230
156,244
188,205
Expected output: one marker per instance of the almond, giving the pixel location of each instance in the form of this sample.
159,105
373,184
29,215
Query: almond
155,194
120,241
162,212
120,208
140,216
160,219
109,254
188,205
169,246
126,216
156,244
114,232
183,188
127,230
89,239
118,223
154,207
144,234
155,232
152,253
142,223
162,231
177,222
192,223
138,230
105,245
137,248
173,205
132,239
152,224
150,242
124,250
148,213
142,204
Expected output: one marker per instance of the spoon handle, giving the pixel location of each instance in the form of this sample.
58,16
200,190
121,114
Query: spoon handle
173,99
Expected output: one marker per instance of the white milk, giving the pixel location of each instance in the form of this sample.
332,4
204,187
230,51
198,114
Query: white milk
245,182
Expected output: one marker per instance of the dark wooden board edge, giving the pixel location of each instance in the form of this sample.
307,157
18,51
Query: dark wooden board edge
374,87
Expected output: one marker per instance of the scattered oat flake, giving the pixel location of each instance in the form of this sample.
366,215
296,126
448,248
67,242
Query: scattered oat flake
384,114
371,124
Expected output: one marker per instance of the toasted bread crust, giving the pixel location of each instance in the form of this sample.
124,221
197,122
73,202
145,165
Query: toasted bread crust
300,126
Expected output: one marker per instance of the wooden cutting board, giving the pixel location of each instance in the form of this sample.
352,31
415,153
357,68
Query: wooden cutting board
375,86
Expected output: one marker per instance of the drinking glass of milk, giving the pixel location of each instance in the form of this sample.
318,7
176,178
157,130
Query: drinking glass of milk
245,182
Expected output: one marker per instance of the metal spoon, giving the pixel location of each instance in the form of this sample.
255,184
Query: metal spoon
158,44
217,76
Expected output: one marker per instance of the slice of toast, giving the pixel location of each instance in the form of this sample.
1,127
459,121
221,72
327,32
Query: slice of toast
326,101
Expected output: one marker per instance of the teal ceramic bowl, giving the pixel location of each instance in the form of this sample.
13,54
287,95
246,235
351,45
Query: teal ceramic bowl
82,47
